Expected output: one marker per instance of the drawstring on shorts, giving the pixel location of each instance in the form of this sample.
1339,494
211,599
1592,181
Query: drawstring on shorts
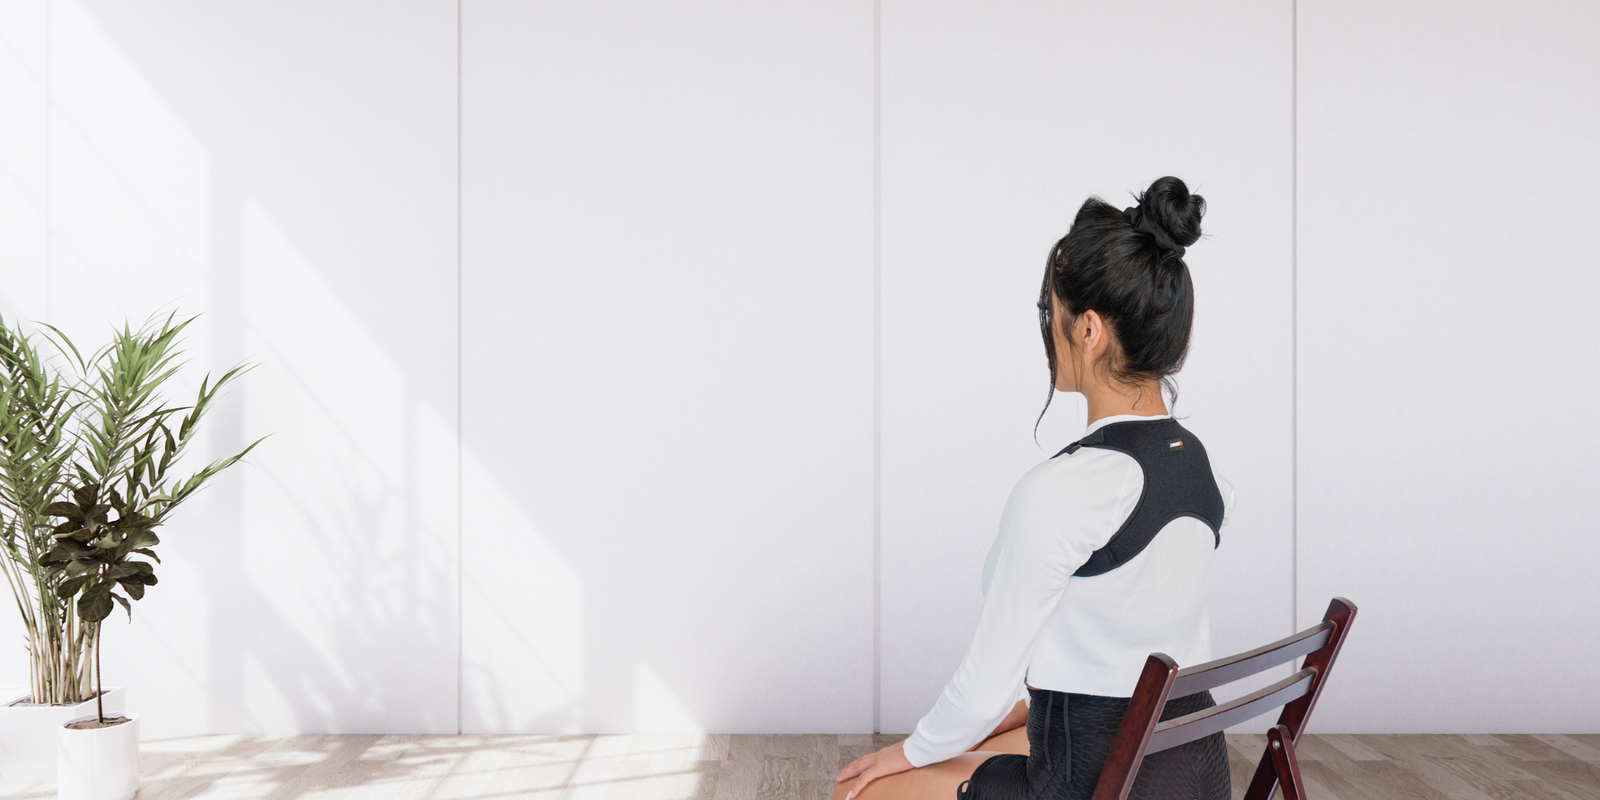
1048,707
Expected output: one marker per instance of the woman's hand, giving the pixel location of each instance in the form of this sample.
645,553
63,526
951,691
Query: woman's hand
873,766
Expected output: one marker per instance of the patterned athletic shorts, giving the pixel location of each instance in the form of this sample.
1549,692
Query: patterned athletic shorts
1069,739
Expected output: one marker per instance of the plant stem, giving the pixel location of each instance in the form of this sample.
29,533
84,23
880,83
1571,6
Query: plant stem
99,689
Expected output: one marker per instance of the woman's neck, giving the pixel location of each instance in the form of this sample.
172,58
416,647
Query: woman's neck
1143,400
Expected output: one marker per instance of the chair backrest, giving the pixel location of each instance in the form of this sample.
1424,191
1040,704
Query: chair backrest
1142,732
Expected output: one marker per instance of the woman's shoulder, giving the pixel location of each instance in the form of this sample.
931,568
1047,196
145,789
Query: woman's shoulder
1094,471
1091,486
1085,468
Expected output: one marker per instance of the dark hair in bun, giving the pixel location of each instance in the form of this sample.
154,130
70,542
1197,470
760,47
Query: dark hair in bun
1140,286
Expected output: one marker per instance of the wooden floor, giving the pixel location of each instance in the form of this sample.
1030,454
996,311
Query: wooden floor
737,767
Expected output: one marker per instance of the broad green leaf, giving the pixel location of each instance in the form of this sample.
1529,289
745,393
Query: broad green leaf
86,494
120,571
143,538
95,604
61,508
68,588
57,555
80,535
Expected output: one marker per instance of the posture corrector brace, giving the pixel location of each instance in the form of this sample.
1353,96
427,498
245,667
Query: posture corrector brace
1177,483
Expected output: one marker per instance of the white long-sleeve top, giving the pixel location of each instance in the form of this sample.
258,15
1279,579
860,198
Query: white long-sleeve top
1087,635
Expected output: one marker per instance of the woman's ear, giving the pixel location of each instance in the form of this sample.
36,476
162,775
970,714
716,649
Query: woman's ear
1092,333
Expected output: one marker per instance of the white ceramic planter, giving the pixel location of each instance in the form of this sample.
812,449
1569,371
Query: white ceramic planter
98,763
28,735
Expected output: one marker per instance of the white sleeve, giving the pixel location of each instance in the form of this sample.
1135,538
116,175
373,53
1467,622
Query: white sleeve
1229,499
1044,542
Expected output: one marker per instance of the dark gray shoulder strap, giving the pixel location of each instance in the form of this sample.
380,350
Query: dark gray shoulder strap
1177,483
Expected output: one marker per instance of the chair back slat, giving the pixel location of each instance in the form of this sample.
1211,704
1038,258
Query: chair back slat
1141,731
1341,612
1138,721
1202,723
1212,674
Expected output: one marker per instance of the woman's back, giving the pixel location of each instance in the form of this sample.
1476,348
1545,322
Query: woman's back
1104,551
1105,626
1068,633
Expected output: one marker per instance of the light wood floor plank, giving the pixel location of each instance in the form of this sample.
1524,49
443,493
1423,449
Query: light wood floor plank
1242,757
1572,746
1526,748
196,762
713,767
1573,778
1331,782
330,775
417,771
1591,739
1351,745
257,776
737,779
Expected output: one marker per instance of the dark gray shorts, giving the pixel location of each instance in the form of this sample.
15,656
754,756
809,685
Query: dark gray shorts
1069,739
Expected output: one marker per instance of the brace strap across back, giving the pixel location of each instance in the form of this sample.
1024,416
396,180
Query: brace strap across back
1177,483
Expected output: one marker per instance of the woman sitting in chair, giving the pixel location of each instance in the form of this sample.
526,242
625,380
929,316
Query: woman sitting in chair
1104,550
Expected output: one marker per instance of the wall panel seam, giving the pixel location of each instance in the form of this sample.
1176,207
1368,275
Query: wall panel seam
877,366
1294,314
49,113
460,527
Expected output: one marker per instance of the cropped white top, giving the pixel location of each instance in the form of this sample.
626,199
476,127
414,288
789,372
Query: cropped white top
1085,635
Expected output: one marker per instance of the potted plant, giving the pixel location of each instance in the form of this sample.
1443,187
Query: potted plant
121,438
36,444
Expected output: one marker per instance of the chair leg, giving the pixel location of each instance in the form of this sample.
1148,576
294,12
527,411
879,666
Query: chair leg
1281,745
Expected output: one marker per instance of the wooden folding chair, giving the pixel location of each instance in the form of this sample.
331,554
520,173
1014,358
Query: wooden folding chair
1141,732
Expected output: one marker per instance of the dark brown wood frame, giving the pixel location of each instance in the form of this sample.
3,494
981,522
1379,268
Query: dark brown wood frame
1142,732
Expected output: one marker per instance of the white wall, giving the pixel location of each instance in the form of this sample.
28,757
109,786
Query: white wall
288,171
1448,349
667,376
725,313
23,143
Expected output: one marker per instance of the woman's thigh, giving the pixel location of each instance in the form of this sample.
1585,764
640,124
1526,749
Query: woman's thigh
937,781
1012,741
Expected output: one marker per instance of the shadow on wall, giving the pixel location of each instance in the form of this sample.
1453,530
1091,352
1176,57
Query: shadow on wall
199,149
318,212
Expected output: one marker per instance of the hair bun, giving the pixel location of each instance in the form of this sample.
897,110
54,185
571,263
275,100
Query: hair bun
1168,203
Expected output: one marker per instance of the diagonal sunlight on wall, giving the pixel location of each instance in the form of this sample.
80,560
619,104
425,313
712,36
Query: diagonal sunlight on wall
359,527
659,709
22,170
130,226
22,222
527,615
313,587
138,180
